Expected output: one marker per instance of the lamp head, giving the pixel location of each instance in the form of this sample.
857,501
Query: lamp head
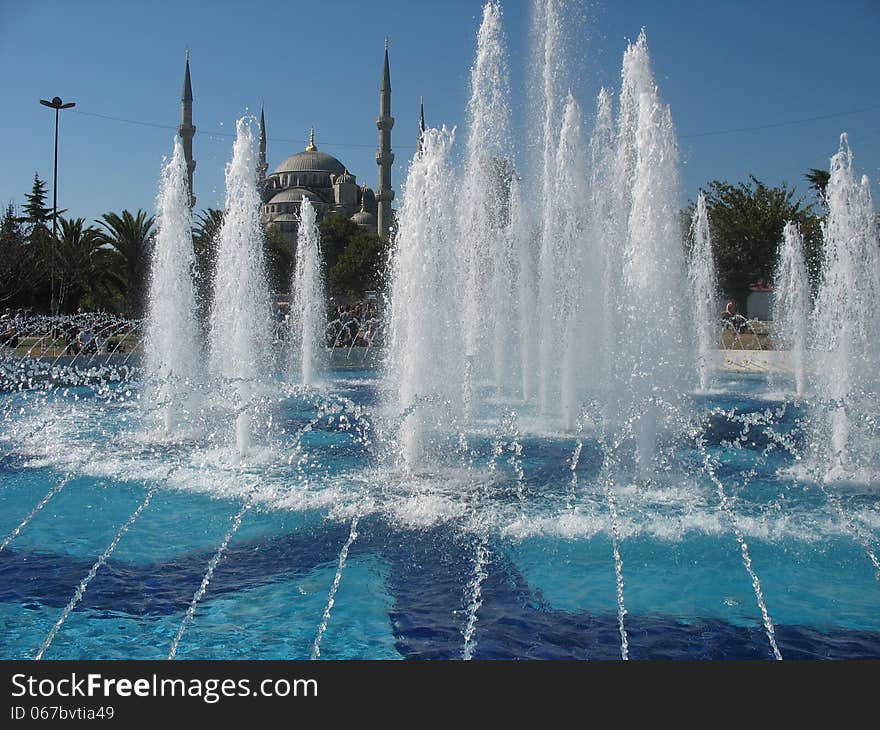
56,103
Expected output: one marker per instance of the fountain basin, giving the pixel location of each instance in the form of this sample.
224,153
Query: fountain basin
549,589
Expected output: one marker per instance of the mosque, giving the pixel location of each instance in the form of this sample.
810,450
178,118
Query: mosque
314,175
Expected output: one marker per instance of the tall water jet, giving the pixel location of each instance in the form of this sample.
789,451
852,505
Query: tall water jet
582,234
549,82
308,314
655,346
240,329
522,234
603,234
484,244
565,250
701,273
171,351
846,328
425,358
791,301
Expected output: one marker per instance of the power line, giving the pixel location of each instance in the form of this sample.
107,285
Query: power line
756,128
213,133
782,124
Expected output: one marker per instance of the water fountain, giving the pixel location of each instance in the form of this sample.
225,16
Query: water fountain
566,486
483,244
239,325
846,329
425,359
308,312
791,302
701,273
172,358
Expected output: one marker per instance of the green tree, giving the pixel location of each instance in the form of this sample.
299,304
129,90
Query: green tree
13,257
84,269
279,261
746,222
206,227
36,212
37,226
130,236
336,232
818,180
354,258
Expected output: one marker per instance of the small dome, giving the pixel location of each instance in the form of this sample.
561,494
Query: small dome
345,177
285,218
369,197
363,218
292,195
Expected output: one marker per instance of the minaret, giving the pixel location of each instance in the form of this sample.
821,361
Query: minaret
421,125
262,167
384,155
186,130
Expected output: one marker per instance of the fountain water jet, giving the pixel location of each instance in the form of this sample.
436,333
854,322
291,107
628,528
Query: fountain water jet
308,314
701,272
240,330
791,301
171,351
847,329
425,358
484,243
522,236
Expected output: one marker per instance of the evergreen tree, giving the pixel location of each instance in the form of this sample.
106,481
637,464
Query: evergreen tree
36,212
13,254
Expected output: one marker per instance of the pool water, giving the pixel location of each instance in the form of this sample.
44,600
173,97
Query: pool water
519,543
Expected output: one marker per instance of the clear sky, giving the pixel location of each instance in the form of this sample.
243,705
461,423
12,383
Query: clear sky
787,77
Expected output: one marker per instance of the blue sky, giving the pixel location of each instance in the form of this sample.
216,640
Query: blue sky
790,75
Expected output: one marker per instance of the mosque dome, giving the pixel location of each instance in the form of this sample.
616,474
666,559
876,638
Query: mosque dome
285,218
364,219
292,195
311,161
369,197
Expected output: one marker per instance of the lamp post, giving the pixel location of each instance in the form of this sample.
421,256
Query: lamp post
57,105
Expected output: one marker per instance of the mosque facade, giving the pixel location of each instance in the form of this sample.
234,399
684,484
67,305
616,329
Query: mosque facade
312,174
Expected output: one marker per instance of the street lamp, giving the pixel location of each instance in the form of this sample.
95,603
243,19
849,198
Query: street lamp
57,105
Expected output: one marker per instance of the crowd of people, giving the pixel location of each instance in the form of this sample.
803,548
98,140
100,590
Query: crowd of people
84,332
357,324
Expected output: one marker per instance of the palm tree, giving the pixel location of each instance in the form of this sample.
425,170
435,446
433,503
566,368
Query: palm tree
205,230
818,180
130,237
78,252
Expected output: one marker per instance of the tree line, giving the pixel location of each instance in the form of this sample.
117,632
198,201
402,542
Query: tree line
746,221
104,266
